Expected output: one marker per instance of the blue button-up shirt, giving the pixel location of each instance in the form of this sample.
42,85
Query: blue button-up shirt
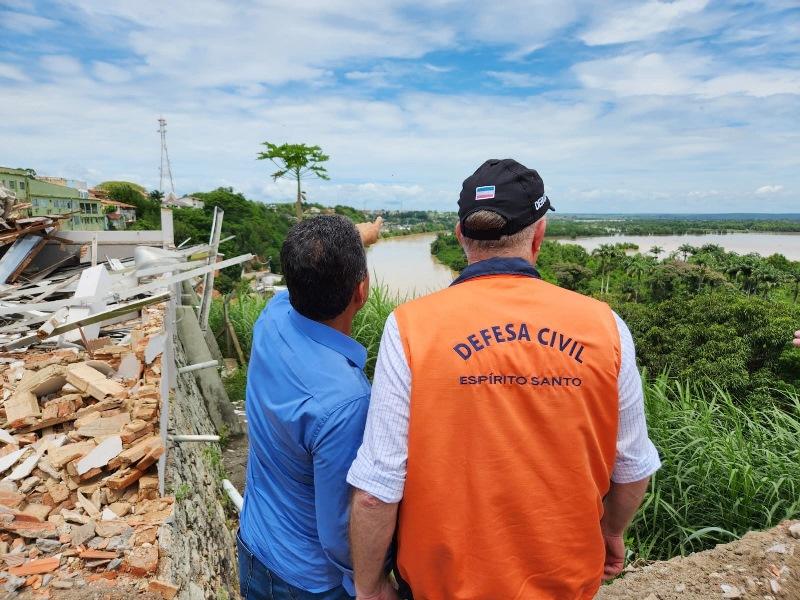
307,399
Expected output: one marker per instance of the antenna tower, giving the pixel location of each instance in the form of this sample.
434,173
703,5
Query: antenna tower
162,129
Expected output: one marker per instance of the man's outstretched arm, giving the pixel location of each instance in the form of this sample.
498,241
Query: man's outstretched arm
372,524
621,504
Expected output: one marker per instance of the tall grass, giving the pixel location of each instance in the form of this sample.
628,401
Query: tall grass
369,322
243,311
727,468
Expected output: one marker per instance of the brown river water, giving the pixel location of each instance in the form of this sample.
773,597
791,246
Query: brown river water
405,264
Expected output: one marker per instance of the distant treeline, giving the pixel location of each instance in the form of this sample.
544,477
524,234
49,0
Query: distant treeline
581,227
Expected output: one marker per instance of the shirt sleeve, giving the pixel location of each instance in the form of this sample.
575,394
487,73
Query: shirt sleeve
333,451
380,466
637,457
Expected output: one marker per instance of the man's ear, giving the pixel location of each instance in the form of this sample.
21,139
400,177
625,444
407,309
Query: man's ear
459,235
361,293
538,238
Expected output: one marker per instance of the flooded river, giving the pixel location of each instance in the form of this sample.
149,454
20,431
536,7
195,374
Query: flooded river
765,244
405,265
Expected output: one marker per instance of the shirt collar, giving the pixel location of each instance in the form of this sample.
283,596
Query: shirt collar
330,338
498,266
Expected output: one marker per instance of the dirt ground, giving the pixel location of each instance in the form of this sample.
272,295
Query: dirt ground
96,590
762,565
234,458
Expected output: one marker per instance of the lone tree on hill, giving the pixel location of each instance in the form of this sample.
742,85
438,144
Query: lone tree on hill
296,161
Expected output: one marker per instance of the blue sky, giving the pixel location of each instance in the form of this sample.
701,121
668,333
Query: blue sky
683,106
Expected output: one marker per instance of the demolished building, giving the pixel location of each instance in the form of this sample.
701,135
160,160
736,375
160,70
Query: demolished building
107,474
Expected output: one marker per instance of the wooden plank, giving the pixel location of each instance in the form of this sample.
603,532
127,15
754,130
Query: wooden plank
48,423
110,313
10,308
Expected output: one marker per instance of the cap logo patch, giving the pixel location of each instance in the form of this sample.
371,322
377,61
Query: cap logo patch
539,203
484,192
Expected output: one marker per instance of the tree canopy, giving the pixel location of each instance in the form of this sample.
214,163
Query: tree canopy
296,162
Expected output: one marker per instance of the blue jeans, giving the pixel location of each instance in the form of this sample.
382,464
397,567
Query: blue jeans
257,582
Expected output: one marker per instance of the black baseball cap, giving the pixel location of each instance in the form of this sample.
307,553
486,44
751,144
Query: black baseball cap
508,188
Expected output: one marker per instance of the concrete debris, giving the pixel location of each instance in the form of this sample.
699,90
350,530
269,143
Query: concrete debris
731,591
83,350
79,445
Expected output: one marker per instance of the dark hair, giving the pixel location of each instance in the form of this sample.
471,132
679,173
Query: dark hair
323,261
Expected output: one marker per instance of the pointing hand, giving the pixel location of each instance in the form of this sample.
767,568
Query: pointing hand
369,231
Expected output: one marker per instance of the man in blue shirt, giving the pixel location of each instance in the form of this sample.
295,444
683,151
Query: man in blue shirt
307,399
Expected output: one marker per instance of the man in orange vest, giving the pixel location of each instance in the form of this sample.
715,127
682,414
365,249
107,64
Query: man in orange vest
506,446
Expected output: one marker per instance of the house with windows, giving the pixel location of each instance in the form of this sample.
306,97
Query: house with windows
52,196
173,201
120,214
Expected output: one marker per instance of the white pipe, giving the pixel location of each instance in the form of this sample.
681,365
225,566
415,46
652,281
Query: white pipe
233,494
194,438
197,366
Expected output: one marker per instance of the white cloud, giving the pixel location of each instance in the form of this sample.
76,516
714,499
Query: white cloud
110,73
681,73
24,23
760,83
12,72
437,68
635,23
207,43
61,65
641,74
769,189
516,79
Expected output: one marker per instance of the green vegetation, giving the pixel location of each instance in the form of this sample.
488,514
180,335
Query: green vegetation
296,162
447,250
703,315
183,492
726,469
396,223
572,226
115,186
148,210
368,324
580,226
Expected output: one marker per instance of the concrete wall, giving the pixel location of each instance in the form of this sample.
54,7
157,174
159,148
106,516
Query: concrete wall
199,547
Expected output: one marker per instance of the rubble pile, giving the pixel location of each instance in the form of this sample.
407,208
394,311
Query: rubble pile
81,368
27,237
79,494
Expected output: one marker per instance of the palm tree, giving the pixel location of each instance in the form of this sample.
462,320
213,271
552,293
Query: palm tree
157,195
636,266
686,250
656,251
794,277
606,254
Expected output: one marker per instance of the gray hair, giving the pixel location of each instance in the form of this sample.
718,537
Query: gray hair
507,245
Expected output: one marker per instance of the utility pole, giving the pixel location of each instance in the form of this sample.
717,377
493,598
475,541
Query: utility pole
162,129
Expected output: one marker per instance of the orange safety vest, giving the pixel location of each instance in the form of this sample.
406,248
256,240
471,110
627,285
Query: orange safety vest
512,438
